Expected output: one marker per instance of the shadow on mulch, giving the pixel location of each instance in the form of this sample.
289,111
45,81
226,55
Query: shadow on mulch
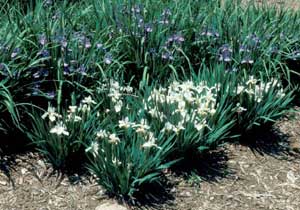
6,166
267,140
76,170
210,167
11,145
15,144
154,195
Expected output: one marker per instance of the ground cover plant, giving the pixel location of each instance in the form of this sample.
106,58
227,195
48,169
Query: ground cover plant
134,87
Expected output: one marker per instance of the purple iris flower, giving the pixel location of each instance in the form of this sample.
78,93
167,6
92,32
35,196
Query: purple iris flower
82,70
247,60
67,69
15,53
244,48
136,9
108,58
73,62
87,43
165,16
41,73
99,46
167,55
152,51
225,53
282,36
273,50
176,38
295,55
43,39
3,70
36,89
48,2
63,42
210,33
167,12
148,28
51,94
44,53
140,21
254,39
2,66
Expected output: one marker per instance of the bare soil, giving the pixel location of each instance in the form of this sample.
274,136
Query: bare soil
261,176
27,182
291,4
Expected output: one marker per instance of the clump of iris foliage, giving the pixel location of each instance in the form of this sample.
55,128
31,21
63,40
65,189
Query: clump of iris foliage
133,87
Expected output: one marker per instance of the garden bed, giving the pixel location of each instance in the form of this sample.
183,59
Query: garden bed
262,176
154,104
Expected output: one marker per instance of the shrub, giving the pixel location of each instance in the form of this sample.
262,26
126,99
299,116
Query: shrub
194,112
259,102
126,156
61,137
125,150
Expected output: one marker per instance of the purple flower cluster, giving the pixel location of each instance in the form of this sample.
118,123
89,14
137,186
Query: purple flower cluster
165,17
167,55
225,53
44,53
175,39
170,46
74,68
40,73
43,39
140,27
245,52
82,40
295,55
4,71
210,33
254,41
15,53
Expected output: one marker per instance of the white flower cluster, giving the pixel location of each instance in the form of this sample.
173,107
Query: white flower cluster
186,102
142,128
60,127
112,137
115,93
51,114
239,109
257,89
72,116
86,104
94,148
